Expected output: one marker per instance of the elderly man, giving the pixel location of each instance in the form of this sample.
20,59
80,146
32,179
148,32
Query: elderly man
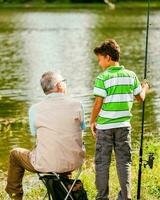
57,121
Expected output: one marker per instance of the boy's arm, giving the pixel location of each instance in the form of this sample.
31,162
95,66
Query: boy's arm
95,111
142,95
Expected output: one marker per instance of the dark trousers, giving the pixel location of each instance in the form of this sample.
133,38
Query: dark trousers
118,139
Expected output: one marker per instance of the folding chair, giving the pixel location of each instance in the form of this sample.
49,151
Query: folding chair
51,179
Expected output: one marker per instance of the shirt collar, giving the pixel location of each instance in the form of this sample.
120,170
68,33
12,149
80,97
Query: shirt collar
55,94
113,68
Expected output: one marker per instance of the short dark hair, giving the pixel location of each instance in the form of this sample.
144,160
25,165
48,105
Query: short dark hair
109,47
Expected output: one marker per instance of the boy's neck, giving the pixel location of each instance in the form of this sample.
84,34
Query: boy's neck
113,64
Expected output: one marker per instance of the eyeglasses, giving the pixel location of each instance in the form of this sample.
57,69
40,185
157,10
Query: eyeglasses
64,80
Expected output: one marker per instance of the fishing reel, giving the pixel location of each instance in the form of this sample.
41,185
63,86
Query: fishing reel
150,160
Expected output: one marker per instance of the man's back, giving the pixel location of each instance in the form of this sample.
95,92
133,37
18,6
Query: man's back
59,143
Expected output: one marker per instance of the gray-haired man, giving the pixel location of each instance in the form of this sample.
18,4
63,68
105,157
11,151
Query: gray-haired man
57,121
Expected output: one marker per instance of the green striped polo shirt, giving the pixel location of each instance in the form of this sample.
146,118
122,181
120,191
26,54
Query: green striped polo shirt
117,86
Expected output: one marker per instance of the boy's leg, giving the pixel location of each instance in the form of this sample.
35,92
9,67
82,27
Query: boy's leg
123,161
18,162
104,144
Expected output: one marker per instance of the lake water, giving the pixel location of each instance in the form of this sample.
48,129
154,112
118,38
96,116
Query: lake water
32,42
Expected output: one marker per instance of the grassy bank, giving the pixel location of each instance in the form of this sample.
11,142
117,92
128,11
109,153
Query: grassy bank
34,189
42,5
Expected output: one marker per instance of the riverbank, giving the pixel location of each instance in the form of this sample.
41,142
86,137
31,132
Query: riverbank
150,189
94,6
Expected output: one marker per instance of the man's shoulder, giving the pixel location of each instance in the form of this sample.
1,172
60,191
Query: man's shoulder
72,100
34,106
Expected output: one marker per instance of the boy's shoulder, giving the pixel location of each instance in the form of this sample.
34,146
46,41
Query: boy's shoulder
100,76
122,73
130,72
103,75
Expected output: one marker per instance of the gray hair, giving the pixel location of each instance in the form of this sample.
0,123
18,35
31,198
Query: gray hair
49,80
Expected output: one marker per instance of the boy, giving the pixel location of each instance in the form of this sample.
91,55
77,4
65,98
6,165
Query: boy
114,91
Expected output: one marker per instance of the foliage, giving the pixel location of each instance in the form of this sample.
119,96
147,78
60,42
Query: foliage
66,1
15,1
86,1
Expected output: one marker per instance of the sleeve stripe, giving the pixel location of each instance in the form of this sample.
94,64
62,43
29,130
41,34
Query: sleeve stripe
99,92
137,90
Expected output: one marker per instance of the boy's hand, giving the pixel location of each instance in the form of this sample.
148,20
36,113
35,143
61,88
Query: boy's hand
93,129
145,87
145,84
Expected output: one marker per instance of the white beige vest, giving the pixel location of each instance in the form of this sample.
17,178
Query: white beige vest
59,135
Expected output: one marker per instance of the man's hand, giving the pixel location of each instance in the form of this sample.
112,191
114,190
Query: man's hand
93,129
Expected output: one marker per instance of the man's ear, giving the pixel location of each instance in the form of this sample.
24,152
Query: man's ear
59,86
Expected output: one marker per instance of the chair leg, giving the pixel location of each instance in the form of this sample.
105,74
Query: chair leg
64,187
47,193
45,196
70,190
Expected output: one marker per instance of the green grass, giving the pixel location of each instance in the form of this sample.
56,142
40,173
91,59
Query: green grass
95,6
150,189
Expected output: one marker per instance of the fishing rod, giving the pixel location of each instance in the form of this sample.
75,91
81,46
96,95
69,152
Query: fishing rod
151,156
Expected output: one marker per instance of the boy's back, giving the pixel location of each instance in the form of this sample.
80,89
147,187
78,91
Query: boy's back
117,86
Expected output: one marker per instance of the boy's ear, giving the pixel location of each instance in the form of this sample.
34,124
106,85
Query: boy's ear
108,57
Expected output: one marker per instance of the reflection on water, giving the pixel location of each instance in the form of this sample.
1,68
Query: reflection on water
34,42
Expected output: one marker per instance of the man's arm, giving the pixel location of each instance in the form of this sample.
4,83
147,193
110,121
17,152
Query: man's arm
142,95
95,111
33,129
83,123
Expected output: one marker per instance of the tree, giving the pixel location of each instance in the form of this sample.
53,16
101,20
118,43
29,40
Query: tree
86,1
49,1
